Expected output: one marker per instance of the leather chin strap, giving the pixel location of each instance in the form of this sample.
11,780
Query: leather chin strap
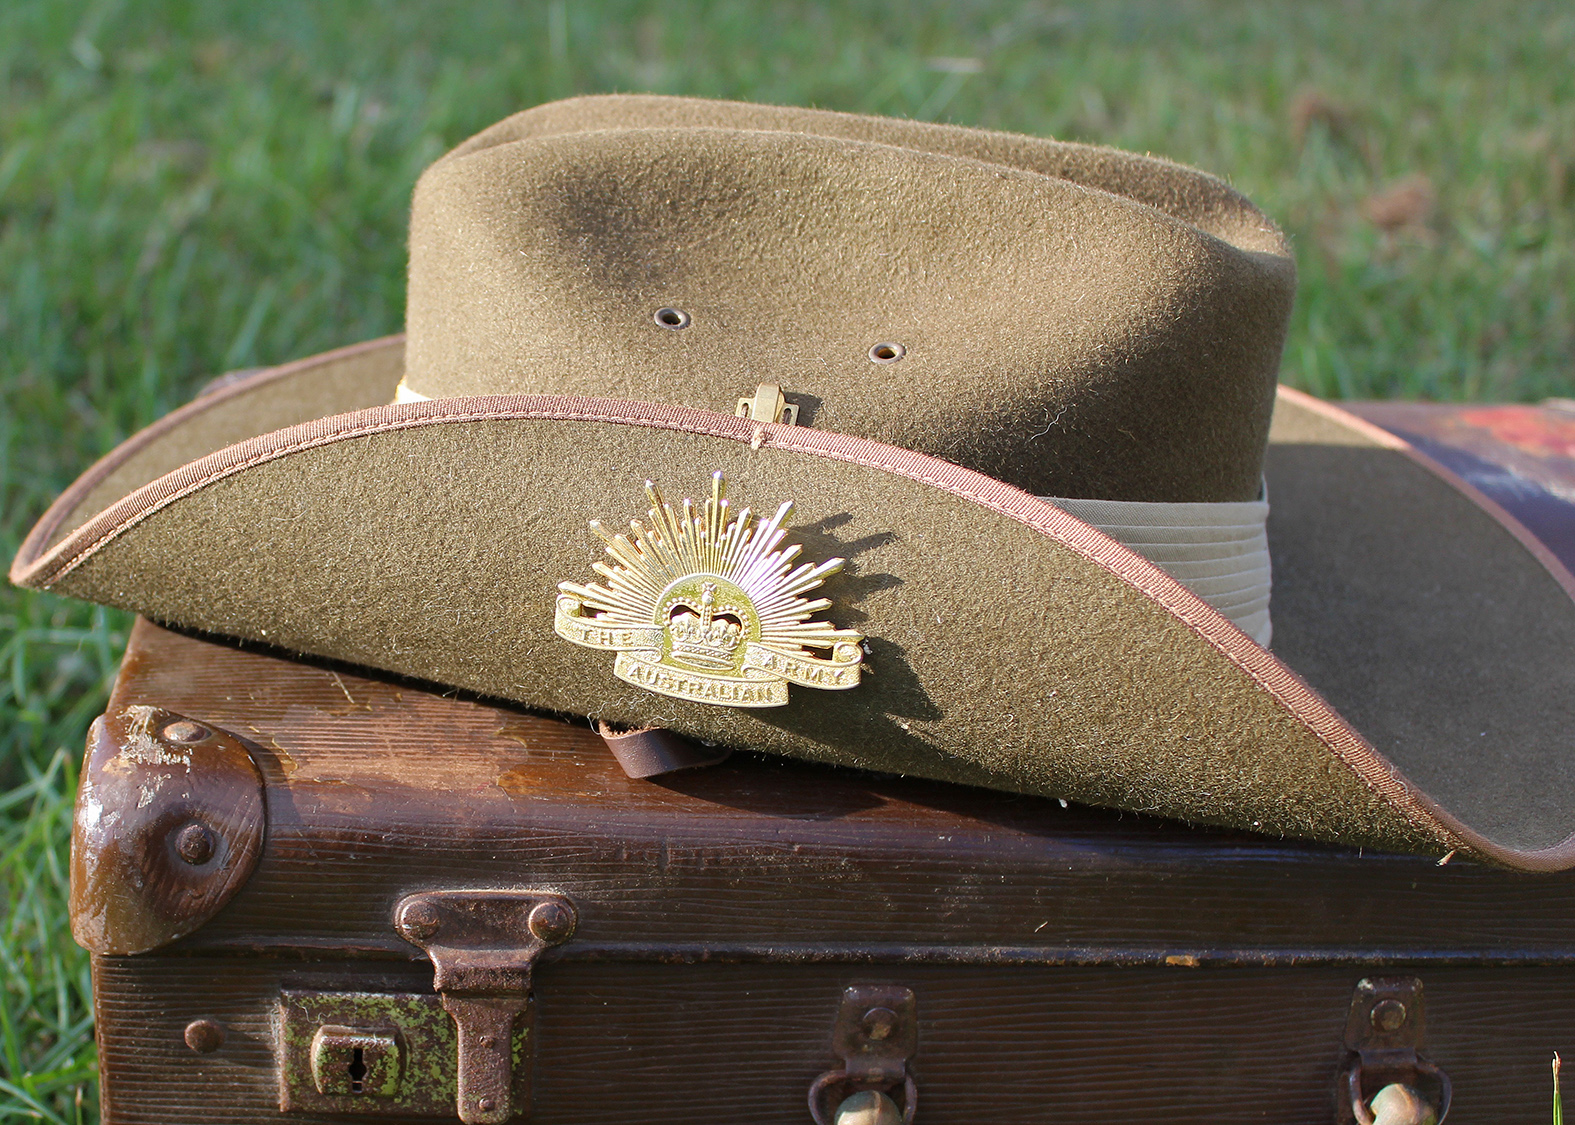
653,751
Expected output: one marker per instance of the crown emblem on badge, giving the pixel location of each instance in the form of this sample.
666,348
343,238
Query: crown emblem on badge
707,605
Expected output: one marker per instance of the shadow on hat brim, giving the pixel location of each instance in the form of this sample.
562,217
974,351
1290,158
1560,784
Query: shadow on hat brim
1011,645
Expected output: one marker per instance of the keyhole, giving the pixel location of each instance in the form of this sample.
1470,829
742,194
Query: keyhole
357,1071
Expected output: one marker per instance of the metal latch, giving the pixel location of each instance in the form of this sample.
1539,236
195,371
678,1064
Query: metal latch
483,945
1384,1080
768,405
876,1033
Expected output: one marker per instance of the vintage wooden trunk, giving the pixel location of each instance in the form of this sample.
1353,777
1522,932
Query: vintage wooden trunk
317,896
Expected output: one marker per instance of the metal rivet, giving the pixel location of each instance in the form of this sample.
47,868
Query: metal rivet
879,1023
184,730
672,318
419,920
194,844
488,1041
204,1036
1389,1015
486,1104
551,922
887,353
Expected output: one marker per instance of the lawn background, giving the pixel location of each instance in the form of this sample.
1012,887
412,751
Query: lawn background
190,187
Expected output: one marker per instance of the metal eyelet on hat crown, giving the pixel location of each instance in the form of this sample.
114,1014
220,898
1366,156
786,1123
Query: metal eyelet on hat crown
887,353
672,318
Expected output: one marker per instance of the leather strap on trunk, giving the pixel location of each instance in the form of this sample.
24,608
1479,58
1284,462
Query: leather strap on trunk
653,751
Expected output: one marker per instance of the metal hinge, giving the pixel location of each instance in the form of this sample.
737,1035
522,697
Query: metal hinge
483,946
1385,1081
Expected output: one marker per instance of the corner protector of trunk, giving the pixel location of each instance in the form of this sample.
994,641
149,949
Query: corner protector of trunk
169,824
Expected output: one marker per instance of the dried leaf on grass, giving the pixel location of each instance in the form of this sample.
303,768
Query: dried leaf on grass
1407,203
1313,107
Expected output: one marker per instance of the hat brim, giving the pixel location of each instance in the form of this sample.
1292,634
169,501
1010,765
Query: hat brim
1010,645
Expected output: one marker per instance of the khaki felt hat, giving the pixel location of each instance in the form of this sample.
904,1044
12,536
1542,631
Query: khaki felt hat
916,333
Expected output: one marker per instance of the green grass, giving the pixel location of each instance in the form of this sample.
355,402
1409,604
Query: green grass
191,187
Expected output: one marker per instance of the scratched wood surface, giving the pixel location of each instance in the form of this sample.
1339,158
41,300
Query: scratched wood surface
1071,965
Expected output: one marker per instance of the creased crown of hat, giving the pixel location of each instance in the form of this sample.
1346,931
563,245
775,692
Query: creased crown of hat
1072,320
959,323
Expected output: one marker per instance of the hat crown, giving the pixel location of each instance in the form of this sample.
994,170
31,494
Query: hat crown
990,299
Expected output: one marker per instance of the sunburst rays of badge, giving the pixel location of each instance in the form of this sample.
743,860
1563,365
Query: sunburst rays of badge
714,597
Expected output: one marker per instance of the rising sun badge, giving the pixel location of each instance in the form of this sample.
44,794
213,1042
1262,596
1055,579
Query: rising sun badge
707,605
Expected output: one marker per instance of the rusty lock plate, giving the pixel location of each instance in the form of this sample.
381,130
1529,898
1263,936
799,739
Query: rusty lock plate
406,1065
358,1061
